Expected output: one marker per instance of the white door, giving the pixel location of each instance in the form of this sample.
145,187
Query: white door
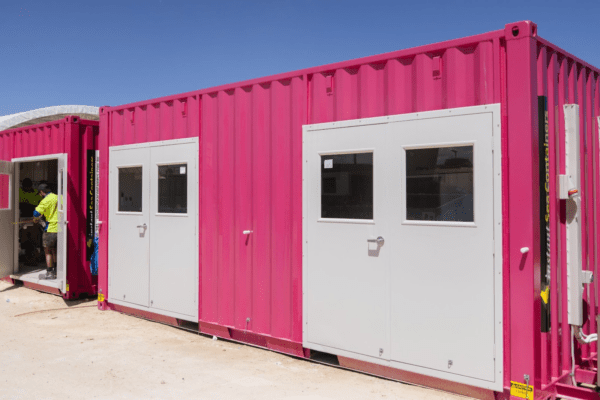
442,264
346,296
428,298
129,242
63,222
173,223
153,239
7,217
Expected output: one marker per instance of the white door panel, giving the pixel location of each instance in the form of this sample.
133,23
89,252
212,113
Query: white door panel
173,227
7,217
348,305
442,275
153,246
129,243
430,301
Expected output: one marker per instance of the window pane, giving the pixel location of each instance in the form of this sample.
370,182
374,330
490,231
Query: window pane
4,192
347,186
172,188
439,184
130,189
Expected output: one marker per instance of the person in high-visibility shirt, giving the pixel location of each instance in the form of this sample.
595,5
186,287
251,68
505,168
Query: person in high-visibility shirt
28,198
48,207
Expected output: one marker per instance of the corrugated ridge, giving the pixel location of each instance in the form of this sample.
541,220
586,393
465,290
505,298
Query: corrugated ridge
565,79
430,48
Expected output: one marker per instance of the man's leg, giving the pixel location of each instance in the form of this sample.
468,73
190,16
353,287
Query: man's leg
49,240
54,271
49,258
49,261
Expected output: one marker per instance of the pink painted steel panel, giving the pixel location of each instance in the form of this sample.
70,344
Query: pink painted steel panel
243,206
261,213
223,237
4,191
74,137
6,148
566,80
524,208
251,176
251,172
596,188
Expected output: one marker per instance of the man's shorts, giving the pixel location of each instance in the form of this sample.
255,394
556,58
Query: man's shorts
49,240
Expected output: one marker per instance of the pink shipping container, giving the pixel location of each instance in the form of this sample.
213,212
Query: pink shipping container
54,153
428,215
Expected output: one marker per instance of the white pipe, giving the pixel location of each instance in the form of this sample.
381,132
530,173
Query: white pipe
577,333
582,337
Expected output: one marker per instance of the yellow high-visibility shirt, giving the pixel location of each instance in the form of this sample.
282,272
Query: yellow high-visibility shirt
32,198
49,208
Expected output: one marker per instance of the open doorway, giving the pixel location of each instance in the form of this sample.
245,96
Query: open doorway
30,261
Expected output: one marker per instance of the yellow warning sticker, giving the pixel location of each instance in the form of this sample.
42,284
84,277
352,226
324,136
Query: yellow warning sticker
521,390
545,294
100,297
67,287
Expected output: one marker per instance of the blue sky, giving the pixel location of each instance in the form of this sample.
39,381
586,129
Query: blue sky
115,52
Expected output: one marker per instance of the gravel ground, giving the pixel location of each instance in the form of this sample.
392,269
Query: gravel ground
78,352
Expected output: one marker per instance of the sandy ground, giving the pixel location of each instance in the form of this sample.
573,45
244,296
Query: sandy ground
76,353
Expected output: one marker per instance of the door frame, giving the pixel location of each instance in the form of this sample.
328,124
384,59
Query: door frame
8,168
17,180
496,132
173,142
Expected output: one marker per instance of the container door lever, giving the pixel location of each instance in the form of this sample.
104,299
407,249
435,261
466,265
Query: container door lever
380,241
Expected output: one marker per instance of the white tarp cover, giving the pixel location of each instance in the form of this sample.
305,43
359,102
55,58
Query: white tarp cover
8,121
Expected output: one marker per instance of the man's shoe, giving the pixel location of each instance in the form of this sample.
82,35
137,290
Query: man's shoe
50,274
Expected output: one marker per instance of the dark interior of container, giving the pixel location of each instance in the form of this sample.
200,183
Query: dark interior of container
31,251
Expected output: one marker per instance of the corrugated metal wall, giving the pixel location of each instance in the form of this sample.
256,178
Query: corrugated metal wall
28,142
567,80
160,120
447,78
4,191
41,140
252,180
33,141
74,137
6,146
251,168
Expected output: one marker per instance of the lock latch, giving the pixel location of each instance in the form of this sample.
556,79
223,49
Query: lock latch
566,187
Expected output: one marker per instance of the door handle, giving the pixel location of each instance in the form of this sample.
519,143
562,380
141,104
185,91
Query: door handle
380,241
247,232
143,226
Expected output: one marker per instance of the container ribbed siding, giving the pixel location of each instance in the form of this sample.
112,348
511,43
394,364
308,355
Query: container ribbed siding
4,192
6,148
74,137
250,177
565,79
251,167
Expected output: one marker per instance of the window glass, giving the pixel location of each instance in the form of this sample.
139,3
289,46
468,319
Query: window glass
130,189
439,184
172,188
4,192
347,186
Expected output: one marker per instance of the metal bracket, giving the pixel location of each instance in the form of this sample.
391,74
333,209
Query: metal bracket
587,277
566,187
